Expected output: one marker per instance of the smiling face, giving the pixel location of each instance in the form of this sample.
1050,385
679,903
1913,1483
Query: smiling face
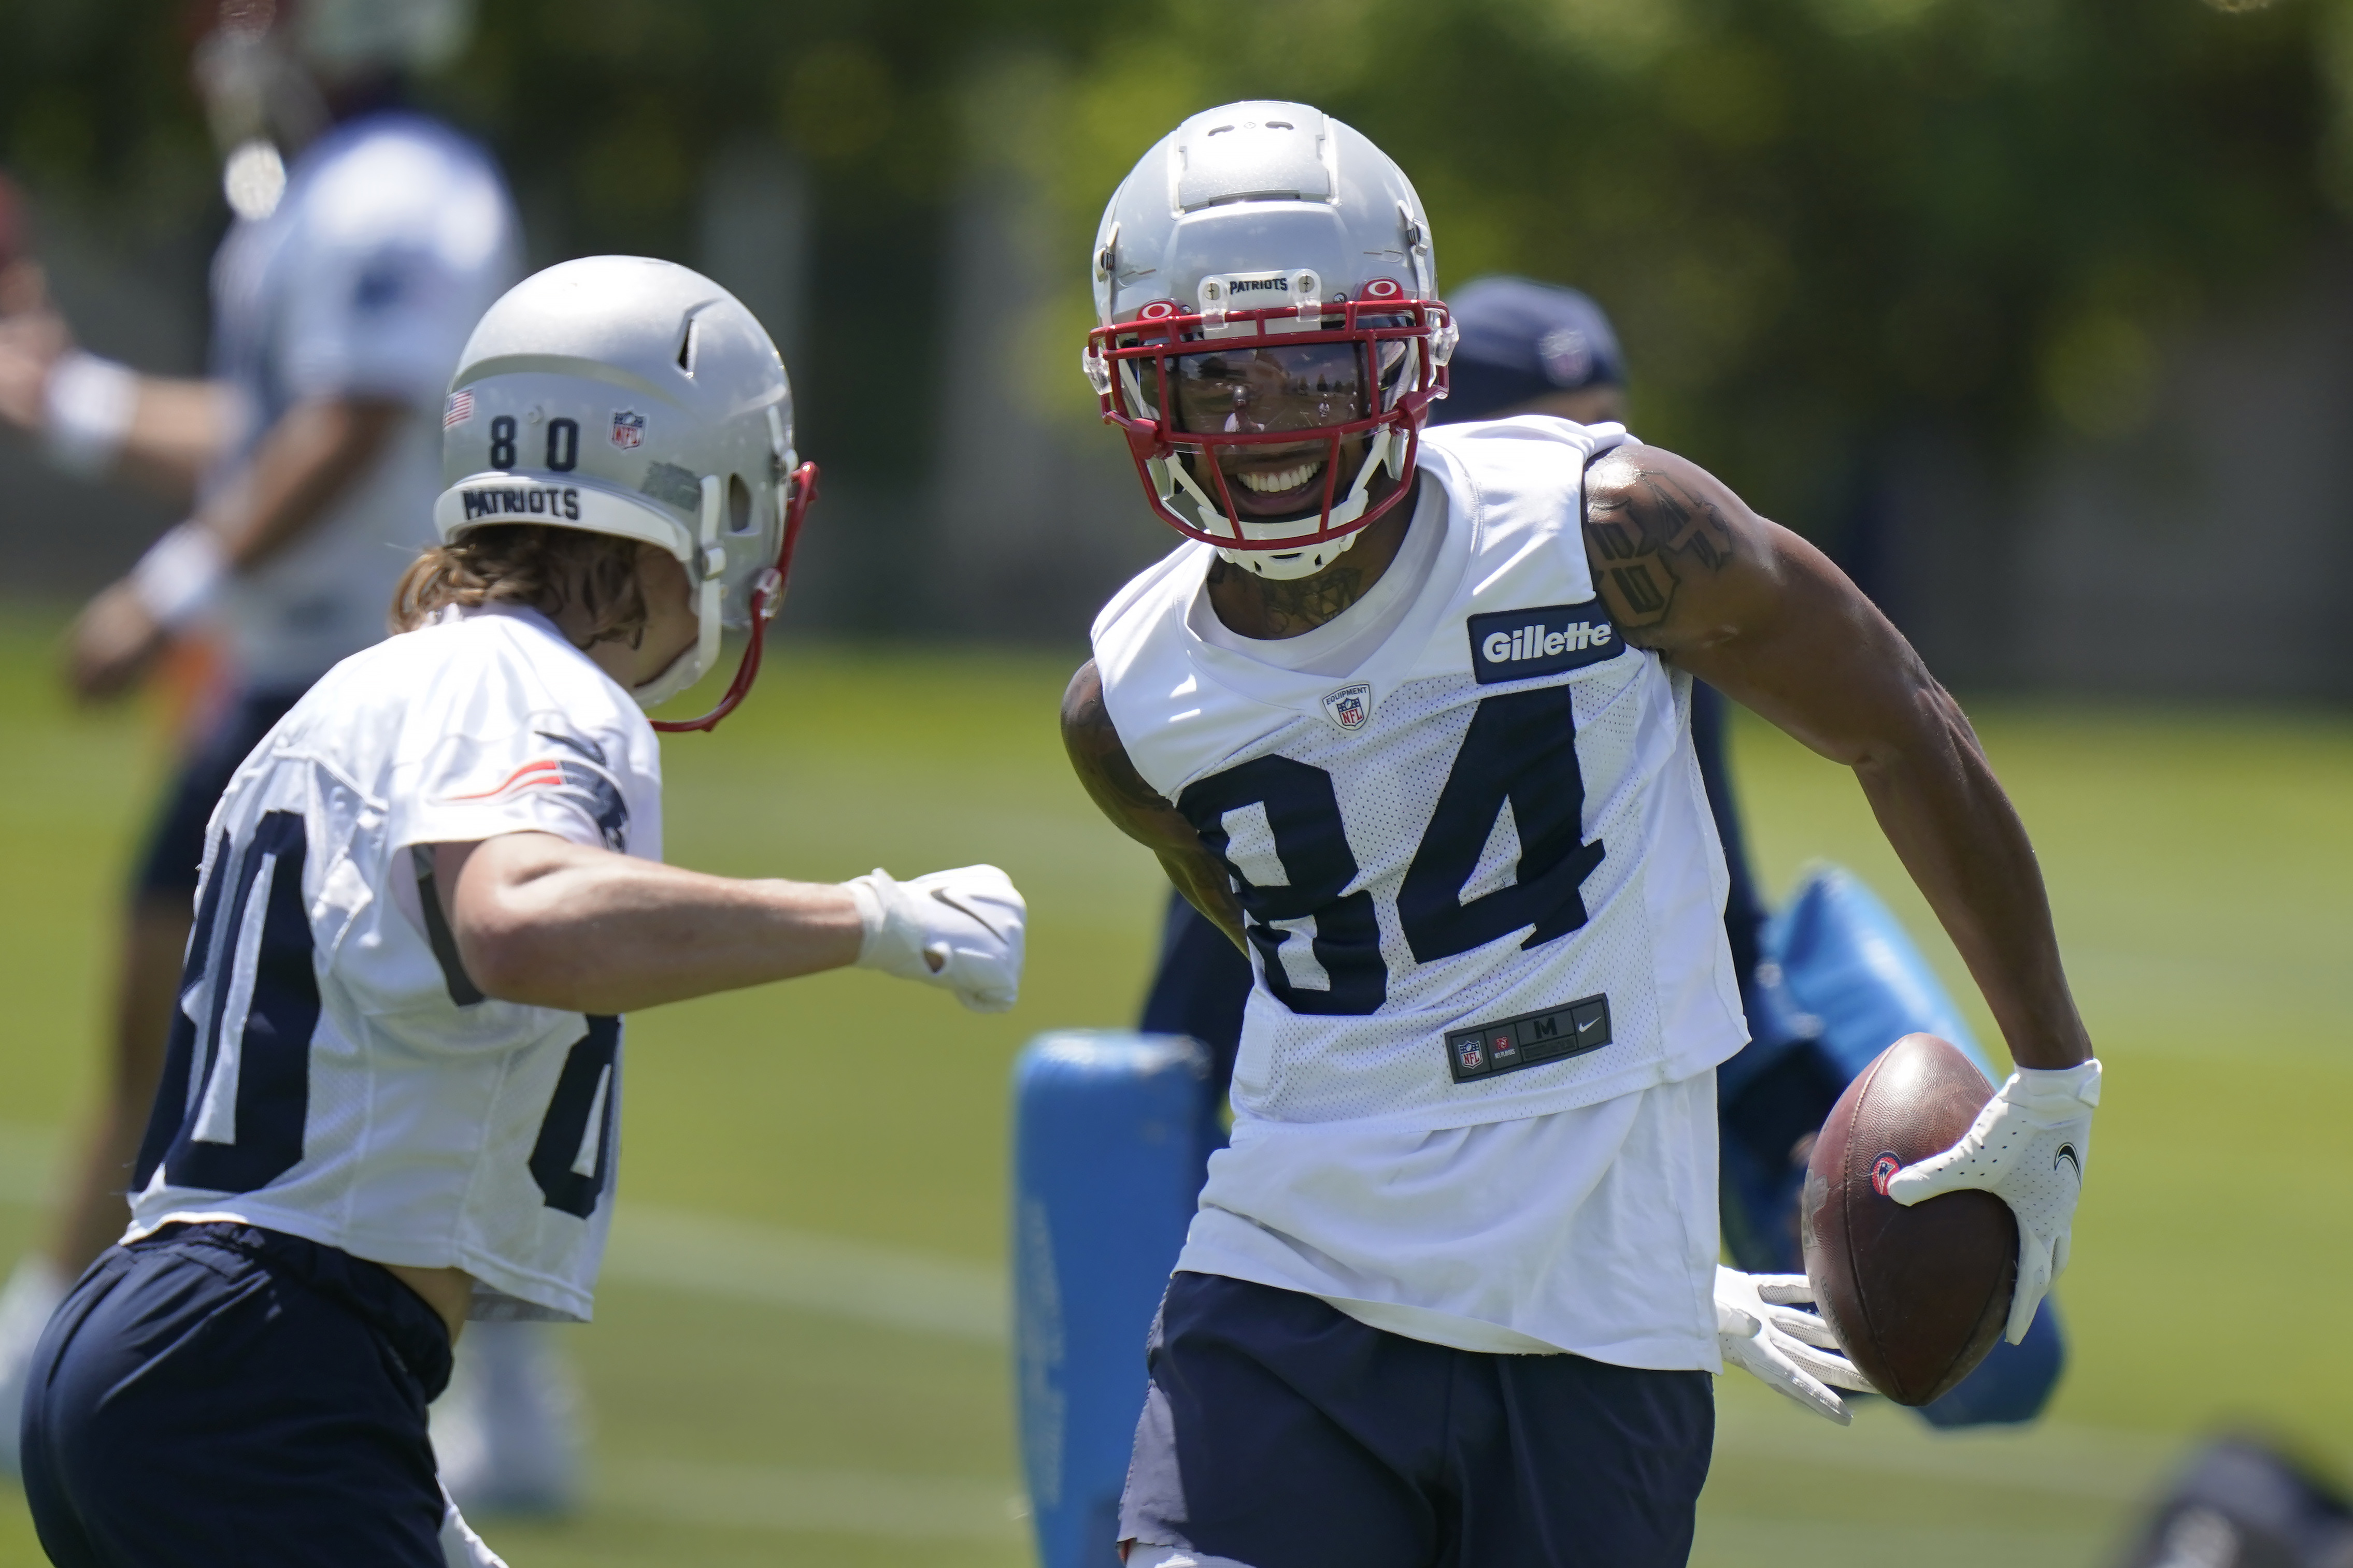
1260,388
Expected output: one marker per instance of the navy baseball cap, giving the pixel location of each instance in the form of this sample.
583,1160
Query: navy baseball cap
1523,340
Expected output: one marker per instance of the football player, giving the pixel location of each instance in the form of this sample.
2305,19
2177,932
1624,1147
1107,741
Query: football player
1527,347
367,241
391,1096
1408,719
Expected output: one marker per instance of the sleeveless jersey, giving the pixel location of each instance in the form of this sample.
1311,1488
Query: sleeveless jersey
332,1073
1479,873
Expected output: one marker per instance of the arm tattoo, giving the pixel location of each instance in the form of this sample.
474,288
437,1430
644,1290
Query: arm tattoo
1648,535
1099,754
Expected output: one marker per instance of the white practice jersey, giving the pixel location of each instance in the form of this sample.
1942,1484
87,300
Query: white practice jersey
1485,898
392,238
332,1073
1480,872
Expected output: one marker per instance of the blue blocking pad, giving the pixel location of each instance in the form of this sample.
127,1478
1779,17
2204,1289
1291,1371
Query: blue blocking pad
2012,1384
1846,964
1112,1135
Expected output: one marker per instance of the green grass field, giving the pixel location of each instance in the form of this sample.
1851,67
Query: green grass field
799,1355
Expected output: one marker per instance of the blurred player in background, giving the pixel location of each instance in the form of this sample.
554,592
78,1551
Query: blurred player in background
392,1099
1408,720
367,241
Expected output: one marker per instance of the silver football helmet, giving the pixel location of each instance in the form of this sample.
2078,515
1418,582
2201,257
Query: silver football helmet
634,397
1269,333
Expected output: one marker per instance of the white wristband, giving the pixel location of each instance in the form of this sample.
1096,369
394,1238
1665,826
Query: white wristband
871,915
87,403
2050,1089
180,574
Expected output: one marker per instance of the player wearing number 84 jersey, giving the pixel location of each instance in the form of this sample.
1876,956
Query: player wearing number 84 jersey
1408,719
1511,767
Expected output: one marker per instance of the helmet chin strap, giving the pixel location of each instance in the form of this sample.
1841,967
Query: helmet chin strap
1271,562
1281,566
691,664
767,598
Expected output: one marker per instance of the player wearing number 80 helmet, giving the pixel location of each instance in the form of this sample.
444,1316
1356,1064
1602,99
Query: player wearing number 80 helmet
393,1096
1408,718
668,420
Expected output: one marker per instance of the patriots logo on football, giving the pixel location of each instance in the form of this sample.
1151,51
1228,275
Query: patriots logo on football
629,427
1883,1171
1351,707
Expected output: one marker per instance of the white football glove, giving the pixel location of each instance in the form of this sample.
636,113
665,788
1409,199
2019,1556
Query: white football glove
961,930
1760,1329
2028,1147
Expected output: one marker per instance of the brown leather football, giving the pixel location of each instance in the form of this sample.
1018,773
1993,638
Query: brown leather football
1917,1296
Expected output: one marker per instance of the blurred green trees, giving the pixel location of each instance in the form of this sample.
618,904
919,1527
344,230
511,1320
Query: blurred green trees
1816,220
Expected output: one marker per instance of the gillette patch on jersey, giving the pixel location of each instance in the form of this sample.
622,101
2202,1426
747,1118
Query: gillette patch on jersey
1518,645
1528,1038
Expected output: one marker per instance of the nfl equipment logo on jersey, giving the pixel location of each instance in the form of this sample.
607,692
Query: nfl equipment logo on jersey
1349,706
629,427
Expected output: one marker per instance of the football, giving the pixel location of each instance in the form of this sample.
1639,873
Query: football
1917,1296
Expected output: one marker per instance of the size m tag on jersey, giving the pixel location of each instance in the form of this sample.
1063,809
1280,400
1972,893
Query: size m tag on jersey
1518,645
1528,1038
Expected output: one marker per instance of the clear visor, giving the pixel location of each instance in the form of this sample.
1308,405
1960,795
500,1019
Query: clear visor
1260,388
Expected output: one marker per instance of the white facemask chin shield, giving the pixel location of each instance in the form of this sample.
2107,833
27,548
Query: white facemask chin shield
1180,490
710,600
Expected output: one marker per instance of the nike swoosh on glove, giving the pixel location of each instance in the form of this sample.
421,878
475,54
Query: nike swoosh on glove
960,930
1761,1330
2028,1147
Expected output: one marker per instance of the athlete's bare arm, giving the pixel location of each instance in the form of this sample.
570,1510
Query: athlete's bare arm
551,923
308,460
1133,805
178,428
1687,569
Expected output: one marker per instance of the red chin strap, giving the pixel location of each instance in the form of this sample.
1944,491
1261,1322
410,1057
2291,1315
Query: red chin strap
767,598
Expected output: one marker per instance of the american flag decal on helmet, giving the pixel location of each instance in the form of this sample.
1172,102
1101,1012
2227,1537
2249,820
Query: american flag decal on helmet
460,409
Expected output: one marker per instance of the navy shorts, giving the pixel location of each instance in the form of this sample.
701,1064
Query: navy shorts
1280,1433
175,846
219,1394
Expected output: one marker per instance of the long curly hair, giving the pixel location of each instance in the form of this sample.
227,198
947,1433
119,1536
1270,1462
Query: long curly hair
533,565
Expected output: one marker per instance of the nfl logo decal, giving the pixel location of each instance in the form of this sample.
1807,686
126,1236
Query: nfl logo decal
460,409
1351,707
629,427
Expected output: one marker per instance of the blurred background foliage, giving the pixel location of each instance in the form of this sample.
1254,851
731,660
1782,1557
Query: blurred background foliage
1817,221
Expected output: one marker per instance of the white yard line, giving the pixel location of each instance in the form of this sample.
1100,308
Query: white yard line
771,1265
828,1275
808,1502
707,1254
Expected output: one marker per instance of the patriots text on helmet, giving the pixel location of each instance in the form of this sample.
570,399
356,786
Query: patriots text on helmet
522,500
